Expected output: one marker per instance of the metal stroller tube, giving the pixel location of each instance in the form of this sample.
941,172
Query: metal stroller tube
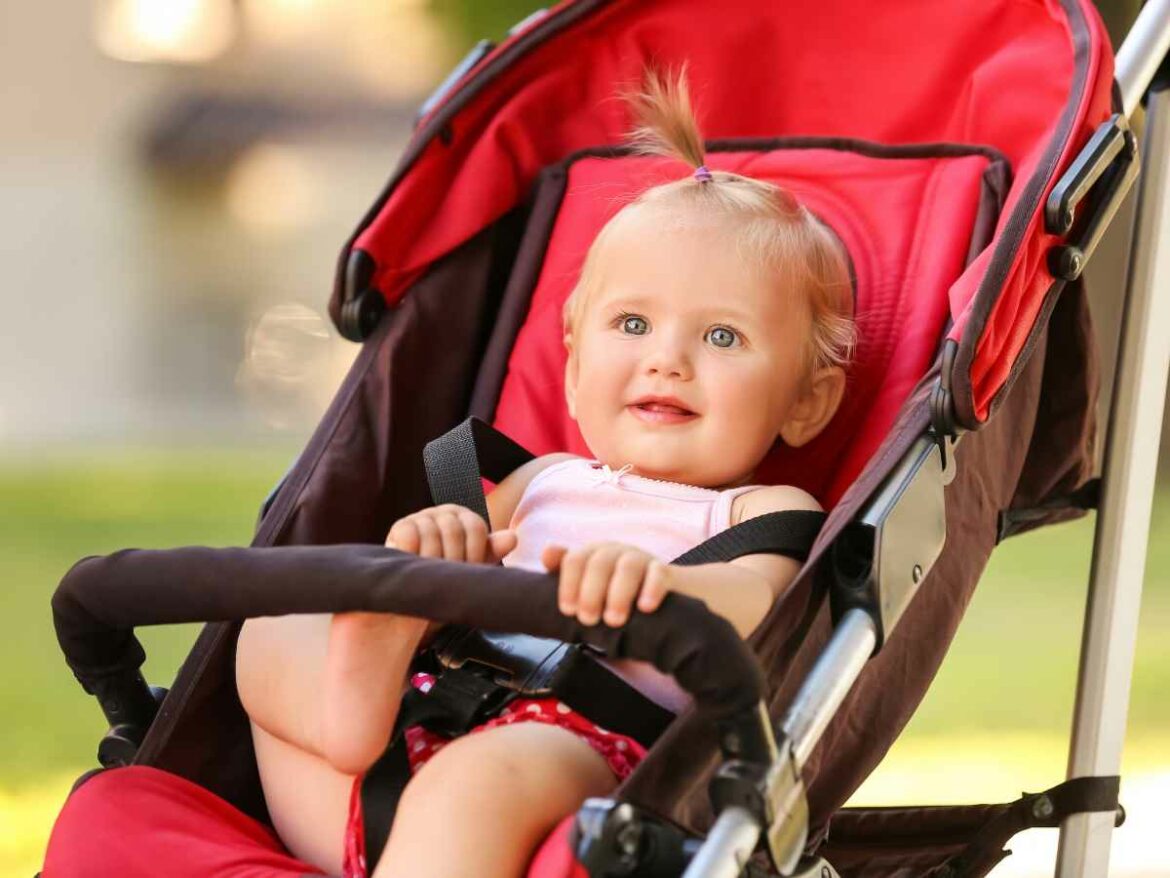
829,682
730,842
737,830
1144,48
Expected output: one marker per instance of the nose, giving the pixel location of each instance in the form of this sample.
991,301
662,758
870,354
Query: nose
669,358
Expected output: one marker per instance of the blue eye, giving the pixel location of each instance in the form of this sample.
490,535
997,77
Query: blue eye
722,337
632,324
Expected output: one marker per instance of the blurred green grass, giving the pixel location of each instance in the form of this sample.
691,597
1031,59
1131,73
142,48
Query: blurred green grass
52,513
1003,697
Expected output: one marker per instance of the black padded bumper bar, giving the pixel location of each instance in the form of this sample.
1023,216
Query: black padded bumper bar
102,599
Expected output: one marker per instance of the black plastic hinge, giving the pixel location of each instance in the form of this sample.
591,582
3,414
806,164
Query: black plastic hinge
1088,194
942,410
362,306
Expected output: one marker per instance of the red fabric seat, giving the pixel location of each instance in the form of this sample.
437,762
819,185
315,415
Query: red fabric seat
142,821
907,223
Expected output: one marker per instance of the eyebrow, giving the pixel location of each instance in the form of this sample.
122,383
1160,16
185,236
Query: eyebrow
713,311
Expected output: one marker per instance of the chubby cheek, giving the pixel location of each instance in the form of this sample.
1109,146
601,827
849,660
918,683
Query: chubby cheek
751,410
600,389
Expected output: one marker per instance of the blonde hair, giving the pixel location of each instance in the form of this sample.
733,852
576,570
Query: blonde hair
773,230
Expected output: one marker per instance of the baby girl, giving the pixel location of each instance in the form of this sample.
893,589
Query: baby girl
712,319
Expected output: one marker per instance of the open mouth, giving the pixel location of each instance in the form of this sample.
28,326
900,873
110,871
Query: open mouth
661,411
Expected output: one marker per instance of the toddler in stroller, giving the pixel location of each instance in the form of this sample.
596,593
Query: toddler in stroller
967,219
711,320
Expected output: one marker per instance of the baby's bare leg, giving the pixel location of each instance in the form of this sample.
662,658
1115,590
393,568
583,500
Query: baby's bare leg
308,682
329,685
482,805
308,800
366,663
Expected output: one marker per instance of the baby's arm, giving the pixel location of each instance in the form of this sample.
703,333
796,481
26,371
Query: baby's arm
601,582
363,672
329,684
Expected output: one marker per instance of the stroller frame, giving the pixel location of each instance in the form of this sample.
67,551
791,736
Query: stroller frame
874,570
1120,539
1130,461
1123,518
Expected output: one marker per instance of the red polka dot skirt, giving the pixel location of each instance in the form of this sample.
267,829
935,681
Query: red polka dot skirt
621,753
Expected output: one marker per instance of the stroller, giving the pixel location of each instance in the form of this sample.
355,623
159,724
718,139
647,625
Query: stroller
970,176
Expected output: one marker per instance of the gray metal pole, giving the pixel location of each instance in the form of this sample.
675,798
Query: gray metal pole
1123,521
1144,48
728,847
833,675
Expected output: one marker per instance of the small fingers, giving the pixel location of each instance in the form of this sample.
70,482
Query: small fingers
571,565
501,543
552,556
655,586
404,536
595,583
430,539
475,535
628,574
451,534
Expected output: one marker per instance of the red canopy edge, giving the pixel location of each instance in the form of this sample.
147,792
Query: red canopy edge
1029,79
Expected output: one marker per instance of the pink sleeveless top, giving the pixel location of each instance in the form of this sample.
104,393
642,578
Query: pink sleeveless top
578,501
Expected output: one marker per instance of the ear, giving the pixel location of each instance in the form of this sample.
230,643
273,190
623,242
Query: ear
571,377
815,408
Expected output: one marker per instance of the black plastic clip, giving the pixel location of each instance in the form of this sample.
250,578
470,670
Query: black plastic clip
362,306
1083,202
615,839
942,411
459,700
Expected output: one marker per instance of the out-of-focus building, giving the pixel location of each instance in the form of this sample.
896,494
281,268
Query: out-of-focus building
176,179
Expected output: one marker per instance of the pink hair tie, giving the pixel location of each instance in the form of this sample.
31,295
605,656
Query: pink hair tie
703,175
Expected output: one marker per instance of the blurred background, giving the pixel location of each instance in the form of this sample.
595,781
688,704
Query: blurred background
176,180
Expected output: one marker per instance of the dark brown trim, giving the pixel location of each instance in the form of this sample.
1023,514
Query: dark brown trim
991,287
440,118
513,312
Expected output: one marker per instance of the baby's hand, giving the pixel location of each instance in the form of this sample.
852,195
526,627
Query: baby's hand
601,581
452,532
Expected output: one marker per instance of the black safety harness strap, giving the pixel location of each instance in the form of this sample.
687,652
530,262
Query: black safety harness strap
478,673
460,459
788,533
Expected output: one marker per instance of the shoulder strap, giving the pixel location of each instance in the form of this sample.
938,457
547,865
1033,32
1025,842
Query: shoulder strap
789,533
461,458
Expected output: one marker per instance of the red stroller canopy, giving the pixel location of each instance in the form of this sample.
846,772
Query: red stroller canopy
1029,79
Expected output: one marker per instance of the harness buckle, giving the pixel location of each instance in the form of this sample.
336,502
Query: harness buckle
459,700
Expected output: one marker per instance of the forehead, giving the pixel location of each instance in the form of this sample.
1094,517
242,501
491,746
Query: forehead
687,261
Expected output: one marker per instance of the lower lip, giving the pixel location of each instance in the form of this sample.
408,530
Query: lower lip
660,416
